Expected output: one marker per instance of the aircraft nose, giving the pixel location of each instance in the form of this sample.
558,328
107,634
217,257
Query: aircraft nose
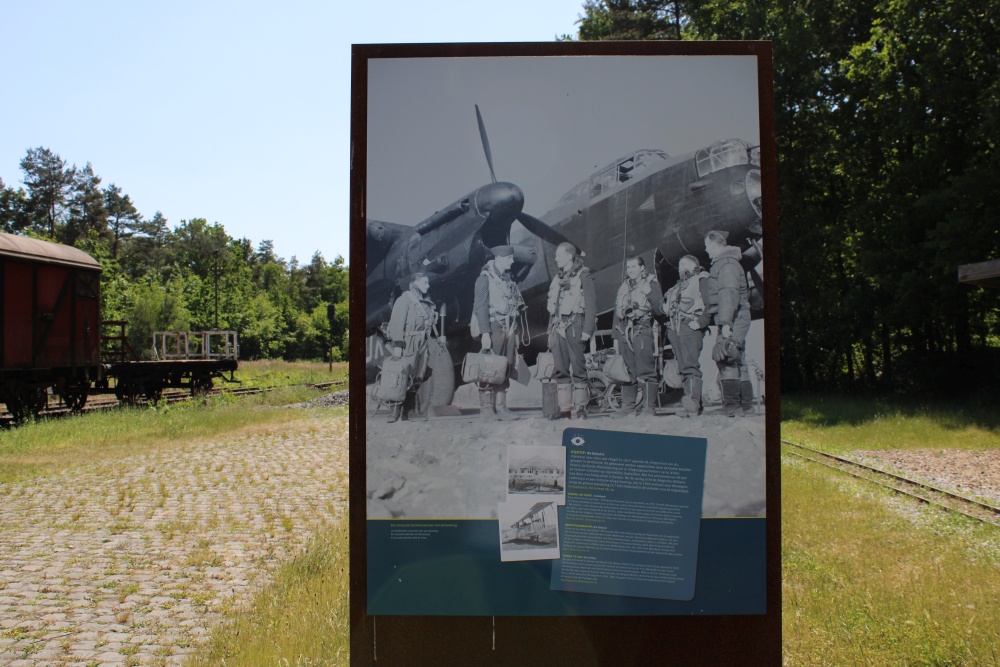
500,200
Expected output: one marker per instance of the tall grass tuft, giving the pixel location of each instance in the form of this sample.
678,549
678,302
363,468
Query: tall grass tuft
300,619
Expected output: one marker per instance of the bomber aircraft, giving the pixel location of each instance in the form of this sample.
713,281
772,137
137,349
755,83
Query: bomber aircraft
645,203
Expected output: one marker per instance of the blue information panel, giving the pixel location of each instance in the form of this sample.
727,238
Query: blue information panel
632,514
629,539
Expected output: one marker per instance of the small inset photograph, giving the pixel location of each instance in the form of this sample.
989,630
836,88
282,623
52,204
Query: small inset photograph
537,470
529,529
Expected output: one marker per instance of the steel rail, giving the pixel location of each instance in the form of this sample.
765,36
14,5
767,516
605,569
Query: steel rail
846,464
169,396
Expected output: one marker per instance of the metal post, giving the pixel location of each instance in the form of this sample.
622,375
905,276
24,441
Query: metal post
331,316
216,289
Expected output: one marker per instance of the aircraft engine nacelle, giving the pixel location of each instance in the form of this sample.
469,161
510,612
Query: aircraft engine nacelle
442,217
375,231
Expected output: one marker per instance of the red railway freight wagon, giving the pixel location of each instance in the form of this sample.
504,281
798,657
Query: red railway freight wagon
50,332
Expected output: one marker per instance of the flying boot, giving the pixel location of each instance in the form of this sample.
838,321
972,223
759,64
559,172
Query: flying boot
696,395
731,397
629,393
687,401
565,394
395,413
550,400
581,396
486,406
503,414
651,397
746,397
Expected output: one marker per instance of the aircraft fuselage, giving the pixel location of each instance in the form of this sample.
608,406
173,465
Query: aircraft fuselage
645,204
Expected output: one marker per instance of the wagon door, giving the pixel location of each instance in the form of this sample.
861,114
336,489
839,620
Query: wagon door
18,287
54,317
86,326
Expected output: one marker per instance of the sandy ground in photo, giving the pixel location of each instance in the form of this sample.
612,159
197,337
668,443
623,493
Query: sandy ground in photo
455,467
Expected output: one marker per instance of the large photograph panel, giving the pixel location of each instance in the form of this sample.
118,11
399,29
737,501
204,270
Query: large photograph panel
622,157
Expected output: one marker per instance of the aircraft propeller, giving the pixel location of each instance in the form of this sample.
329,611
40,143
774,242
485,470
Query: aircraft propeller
486,143
530,222
541,230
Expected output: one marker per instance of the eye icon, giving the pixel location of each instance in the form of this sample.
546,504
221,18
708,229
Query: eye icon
577,441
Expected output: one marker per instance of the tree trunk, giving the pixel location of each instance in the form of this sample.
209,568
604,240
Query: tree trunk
886,357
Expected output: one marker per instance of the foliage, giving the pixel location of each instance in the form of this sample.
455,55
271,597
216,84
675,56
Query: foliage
886,118
192,277
631,19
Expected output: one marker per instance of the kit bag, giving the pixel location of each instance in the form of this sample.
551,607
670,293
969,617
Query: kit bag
616,370
394,379
672,375
520,371
545,366
484,368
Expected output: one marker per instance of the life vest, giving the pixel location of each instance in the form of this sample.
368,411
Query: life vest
423,314
566,293
505,297
685,297
635,296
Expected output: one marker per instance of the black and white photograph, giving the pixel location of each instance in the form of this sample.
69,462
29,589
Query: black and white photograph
537,471
560,241
529,530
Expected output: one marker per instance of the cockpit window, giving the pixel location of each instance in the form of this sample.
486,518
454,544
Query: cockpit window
614,174
720,156
579,191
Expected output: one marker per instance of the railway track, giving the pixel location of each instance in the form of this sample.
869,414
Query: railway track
108,402
924,492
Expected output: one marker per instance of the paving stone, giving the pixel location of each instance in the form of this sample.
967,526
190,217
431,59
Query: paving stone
58,548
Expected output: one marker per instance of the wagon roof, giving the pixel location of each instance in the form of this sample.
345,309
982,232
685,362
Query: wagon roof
36,250
537,462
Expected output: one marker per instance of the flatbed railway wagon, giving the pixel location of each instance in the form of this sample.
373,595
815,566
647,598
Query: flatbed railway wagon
181,360
51,337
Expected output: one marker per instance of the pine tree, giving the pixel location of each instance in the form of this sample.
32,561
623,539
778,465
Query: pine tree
49,183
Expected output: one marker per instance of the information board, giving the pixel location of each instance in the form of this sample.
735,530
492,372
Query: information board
566,423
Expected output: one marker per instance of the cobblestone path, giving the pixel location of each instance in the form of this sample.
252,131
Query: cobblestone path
132,562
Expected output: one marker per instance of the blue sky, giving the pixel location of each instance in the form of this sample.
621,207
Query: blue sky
234,112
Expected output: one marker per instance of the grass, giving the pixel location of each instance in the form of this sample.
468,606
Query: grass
863,585
312,589
870,578
301,618
283,373
844,423
51,446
